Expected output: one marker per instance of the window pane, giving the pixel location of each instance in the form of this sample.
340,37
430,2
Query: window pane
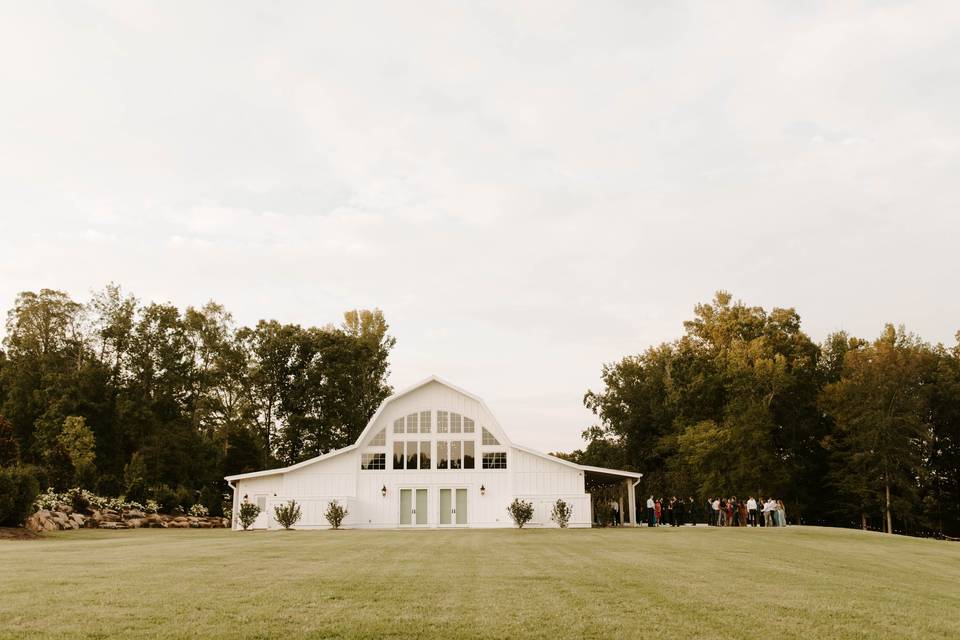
424,454
412,423
467,425
455,420
455,454
373,461
398,455
495,460
380,439
424,422
442,459
442,422
262,503
398,425
412,454
468,454
488,437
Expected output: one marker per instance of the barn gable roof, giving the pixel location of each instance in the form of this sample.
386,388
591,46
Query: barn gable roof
410,389
363,434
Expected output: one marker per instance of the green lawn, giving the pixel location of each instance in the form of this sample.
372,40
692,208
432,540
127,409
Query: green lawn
709,583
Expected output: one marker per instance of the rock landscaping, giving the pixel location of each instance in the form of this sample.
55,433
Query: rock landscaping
64,518
80,509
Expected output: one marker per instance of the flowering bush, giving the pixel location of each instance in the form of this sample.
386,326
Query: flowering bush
151,506
199,511
49,500
81,500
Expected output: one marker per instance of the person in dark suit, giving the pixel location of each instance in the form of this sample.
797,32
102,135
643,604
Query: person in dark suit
678,512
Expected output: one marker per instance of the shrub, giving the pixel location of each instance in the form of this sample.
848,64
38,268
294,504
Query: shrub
248,513
186,497
109,485
561,513
521,511
287,514
18,491
603,512
335,514
78,499
151,506
166,498
199,511
212,499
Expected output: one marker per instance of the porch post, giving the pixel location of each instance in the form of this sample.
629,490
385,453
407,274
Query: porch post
623,519
632,498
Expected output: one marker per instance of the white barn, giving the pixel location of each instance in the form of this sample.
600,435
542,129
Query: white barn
431,456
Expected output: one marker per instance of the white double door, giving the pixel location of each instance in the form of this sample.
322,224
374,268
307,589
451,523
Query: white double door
452,507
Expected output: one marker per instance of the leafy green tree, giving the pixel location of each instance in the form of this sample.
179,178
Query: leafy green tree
77,441
941,479
880,408
730,406
45,354
9,447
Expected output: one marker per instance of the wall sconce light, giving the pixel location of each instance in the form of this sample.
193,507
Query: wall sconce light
483,490
383,491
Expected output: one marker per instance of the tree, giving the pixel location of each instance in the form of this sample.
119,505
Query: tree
880,408
942,469
9,447
77,441
729,406
45,358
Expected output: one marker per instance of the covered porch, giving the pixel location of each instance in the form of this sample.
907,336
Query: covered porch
618,486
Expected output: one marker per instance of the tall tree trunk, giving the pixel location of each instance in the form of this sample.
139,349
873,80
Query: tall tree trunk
863,520
889,520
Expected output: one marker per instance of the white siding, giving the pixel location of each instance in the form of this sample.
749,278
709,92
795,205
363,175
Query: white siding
528,476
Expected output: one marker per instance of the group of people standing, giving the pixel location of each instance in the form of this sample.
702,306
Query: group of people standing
731,512
720,512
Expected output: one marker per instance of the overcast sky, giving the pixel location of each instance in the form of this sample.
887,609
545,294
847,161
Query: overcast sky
528,190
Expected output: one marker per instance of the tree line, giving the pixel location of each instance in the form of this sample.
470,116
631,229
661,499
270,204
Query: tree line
848,432
141,399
